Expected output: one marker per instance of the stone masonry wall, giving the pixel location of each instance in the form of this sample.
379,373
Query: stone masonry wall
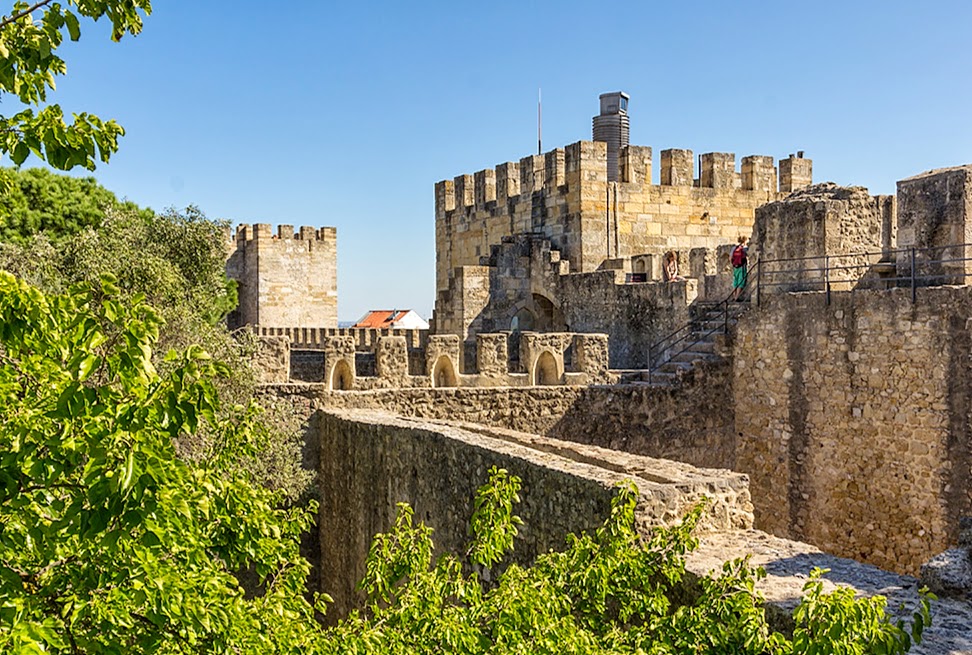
285,280
527,280
853,420
935,212
370,462
565,196
692,423
814,223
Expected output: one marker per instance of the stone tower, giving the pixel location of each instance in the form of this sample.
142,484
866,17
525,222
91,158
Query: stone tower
612,127
287,279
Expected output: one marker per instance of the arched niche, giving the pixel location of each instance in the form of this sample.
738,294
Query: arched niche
444,373
342,378
545,371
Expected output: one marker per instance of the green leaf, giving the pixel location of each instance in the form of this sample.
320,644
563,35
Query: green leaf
74,29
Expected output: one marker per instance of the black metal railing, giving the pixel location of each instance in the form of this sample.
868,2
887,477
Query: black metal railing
902,267
689,335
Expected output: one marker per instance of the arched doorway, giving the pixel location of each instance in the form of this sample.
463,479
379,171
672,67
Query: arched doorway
545,370
342,379
444,373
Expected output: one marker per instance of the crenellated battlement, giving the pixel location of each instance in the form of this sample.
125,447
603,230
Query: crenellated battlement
345,359
586,162
565,195
264,231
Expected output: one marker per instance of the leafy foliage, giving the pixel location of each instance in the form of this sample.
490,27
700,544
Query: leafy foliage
30,35
108,542
38,200
608,592
173,261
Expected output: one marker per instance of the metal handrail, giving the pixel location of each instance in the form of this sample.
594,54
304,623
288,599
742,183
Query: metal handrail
769,276
723,310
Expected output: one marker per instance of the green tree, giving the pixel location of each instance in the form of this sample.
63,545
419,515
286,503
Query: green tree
30,35
109,543
175,262
39,201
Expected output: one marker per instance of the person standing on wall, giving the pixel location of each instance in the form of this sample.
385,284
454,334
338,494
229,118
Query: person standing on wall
739,260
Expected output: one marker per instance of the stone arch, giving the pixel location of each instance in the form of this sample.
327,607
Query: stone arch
341,378
444,373
638,266
523,320
545,371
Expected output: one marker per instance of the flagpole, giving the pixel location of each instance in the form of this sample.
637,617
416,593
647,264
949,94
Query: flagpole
539,122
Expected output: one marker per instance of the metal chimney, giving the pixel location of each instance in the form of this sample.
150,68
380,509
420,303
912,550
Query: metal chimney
613,127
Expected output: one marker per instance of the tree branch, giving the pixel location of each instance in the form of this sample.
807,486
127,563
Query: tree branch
26,12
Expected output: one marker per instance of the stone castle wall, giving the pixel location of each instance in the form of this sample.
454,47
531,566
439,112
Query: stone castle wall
350,360
820,225
525,286
564,195
854,420
287,279
370,462
693,424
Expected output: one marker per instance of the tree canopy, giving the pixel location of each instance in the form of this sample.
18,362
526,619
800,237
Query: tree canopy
30,35
175,262
109,543
39,201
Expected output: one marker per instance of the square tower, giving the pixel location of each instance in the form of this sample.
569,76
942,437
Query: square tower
287,279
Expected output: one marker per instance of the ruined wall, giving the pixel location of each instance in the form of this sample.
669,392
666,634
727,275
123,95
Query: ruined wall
565,196
285,280
816,223
853,420
634,316
370,462
935,215
692,424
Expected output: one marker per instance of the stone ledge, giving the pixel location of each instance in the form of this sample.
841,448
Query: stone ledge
788,565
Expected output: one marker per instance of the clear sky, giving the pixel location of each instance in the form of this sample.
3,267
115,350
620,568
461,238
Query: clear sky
347,113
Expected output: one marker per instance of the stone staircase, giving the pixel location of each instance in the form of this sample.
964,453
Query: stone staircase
705,339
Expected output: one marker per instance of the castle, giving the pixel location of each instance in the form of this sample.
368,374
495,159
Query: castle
833,408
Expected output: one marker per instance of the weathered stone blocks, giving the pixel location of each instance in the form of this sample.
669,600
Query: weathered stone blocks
272,360
935,216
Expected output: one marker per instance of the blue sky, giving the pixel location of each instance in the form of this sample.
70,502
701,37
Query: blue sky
346,114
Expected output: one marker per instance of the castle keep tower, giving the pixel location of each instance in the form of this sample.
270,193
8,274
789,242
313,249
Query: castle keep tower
612,127
287,279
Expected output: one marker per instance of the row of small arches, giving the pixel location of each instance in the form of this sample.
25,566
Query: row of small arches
545,372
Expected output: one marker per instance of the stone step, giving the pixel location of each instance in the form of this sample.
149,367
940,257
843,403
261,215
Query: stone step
659,378
692,356
716,325
675,367
704,344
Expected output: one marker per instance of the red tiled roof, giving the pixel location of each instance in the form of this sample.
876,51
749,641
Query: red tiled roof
380,318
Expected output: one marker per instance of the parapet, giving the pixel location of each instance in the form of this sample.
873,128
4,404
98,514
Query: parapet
586,162
264,231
